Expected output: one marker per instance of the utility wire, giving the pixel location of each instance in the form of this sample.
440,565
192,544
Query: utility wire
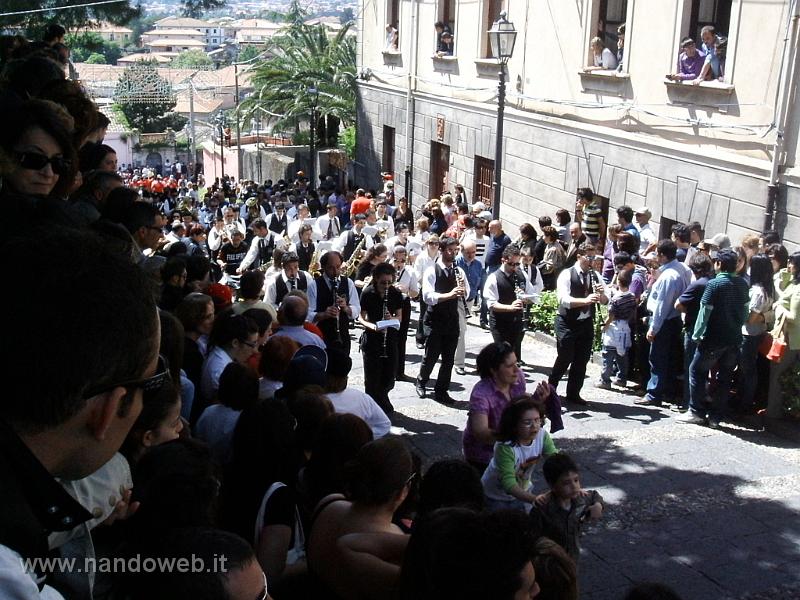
39,10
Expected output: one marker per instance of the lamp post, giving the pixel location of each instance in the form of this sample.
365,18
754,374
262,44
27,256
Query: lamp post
502,36
314,93
257,126
220,120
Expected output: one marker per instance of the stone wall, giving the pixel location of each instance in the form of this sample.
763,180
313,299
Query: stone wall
544,163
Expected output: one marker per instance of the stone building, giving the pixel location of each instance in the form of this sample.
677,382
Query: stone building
722,152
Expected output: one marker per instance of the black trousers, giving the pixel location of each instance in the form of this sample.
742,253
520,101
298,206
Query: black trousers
379,374
439,343
511,333
574,347
421,333
405,322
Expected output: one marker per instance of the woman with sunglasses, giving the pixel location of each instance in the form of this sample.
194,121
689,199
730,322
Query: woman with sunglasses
37,162
233,338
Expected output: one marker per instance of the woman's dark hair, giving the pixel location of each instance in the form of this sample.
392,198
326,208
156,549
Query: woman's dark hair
251,284
779,253
172,344
450,483
175,266
238,387
556,572
260,317
548,231
761,273
491,357
562,216
383,269
264,451
26,76
53,120
177,484
771,237
512,413
527,231
275,356
228,327
118,203
795,260
154,411
379,472
627,243
70,95
374,252
310,407
441,561
338,441
92,154
192,309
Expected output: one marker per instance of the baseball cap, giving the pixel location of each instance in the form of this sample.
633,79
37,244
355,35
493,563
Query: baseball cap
644,211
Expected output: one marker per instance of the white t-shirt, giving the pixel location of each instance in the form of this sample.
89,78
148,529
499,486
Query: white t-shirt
356,402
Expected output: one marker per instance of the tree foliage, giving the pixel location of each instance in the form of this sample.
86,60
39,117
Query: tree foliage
71,19
147,100
196,8
192,59
248,53
83,45
306,57
96,59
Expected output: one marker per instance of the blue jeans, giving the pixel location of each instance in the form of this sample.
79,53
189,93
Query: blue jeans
689,346
610,358
725,358
662,379
748,376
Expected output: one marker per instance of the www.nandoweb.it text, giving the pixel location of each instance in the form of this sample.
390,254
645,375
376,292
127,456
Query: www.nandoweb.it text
133,564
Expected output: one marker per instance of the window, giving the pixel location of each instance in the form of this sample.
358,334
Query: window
665,228
612,15
492,10
392,26
440,169
716,13
111,37
447,14
387,163
483,180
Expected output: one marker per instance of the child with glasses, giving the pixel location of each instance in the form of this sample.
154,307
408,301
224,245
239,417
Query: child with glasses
522,442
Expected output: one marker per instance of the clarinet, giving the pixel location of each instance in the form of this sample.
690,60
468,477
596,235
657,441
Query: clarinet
336,281
460,283
385,316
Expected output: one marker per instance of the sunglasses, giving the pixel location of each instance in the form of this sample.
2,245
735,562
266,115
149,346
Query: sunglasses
36,162
148,385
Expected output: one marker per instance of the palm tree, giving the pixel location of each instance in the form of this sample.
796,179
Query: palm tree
306,58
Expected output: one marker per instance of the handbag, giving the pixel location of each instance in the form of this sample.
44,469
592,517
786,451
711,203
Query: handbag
778,348
766,344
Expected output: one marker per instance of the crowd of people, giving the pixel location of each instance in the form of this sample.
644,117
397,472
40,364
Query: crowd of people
178,373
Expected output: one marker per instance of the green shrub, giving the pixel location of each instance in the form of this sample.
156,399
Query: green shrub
543,318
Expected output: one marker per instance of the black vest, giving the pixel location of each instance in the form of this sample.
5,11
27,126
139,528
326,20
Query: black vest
444,314
304,255
281,288
266,246
278,224
353,239
577,289
506,294
325,301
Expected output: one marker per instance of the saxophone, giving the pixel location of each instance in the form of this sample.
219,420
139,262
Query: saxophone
350,266
313,266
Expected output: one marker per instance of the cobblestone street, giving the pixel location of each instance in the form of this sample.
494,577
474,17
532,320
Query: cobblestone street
713,513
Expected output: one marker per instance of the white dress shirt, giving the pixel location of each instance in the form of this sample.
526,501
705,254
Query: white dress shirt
352,298
408,279
356,402
490,292
321,227
252,252
271,293
429,293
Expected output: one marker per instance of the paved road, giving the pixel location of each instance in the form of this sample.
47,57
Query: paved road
714,513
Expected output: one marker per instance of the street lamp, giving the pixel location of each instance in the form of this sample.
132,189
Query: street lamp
220,121
314,93
255,124
502,36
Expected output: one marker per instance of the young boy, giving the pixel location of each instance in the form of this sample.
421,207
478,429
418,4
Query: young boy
560,513
617,332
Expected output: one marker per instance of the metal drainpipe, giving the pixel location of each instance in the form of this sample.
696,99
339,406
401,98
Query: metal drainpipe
781,117
412,83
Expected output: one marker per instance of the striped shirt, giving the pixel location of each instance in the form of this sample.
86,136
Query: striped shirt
622,306
591,220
